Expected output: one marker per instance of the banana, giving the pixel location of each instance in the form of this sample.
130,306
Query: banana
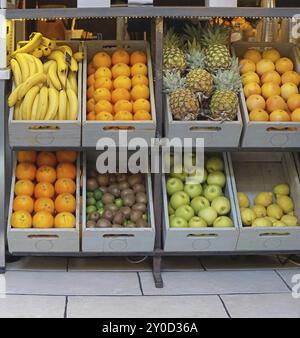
48,43
79,56
38,53
52,72
47,65
46,51
43,104
73,104
31,63
65,49
35,107
16,72
53,104
63,79
22,61
32,44
38,64
31,82
13,97
17,115
74,65
22,117
62,108
59,57
28,101
72,77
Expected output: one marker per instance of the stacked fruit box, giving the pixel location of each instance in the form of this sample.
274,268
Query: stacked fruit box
44,202
118,91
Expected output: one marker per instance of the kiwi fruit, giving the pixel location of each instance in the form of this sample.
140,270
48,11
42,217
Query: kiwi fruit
104,189
126,192
91,184
103,180
129,200
103,223
112,207
119,218
124,185
92,173
141,223
141,197
108,198
108,215
135,215
130,224
112,178
117,226
121,178
91,224
140,207
114,190
138,187
126,212
135,179
94,216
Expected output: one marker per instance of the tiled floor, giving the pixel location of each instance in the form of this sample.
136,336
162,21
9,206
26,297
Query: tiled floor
119,287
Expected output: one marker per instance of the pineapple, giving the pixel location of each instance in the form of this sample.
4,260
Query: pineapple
183,102
198,79
216,40
173,55
192,32
225,102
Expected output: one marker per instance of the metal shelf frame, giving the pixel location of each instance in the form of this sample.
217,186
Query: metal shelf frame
157,14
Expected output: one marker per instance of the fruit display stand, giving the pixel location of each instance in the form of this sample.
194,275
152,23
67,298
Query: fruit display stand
268,134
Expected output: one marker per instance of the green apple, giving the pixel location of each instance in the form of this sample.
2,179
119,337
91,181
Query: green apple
282,189
171,211
171,218
179,199
221,205
214,164
285,203
262,222
193,190
223,222
275,211
197,222
199,176
290,221
186,212
178,222
212,191
178,172
217,178
209,215
199,203
174,185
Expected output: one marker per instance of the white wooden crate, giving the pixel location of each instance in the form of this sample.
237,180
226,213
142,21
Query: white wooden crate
43,240
204,239
48,133
268,134
93,131
117,239
215,133
253,173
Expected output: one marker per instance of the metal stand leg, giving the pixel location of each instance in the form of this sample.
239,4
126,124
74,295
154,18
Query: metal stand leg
157,271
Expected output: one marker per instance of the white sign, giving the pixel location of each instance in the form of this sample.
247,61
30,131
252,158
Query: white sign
221,3
93,3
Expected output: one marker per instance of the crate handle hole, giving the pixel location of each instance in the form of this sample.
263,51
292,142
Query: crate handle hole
274,234
202,235
117,235
206,129
43,236
130,128
44,128
285,129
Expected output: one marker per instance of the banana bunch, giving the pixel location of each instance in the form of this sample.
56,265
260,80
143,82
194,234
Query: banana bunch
45,77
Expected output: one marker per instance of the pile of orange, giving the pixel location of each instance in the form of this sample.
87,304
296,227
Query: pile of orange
118,87
45,190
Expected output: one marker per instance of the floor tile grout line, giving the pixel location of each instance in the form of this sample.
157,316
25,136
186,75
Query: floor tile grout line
286,284
224,306
140,283
66,307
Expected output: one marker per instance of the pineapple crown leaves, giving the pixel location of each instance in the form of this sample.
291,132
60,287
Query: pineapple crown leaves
172,81
229,79
215,35
195,56
172,39
192,32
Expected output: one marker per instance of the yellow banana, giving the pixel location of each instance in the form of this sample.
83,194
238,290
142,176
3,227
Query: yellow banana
65,49
46,66
31,63
62,108
63,79
13,97
73,104
22,117
38,53
38,65
74,65
53,104
31,82
32,44
72,77
59,57
78,56
28,101
16,70
22,61
43,104
48,43
17,115
46,51
52,72
35,108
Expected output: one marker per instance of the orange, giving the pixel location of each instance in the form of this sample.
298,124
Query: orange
120,94
103,105
25,171
284,65
247,66
65,203
291,76
139,69
255,101
66,156
103,82
279,116
91,80
64,185
66,170
21,219
46,174
296,115
122,82
90,106
120,56
123,105
138,57
141,104
65,220
275,102
91,116
90,92
140,92
271,54
294,102
101,59
44,204
259,115
139,79
44,189
104,116
24,187
23,203
271,76
46,158
142,115
270,89
123,116
263,66
26,156
43,220
91,70
253,55
103,72
120,69
102,94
